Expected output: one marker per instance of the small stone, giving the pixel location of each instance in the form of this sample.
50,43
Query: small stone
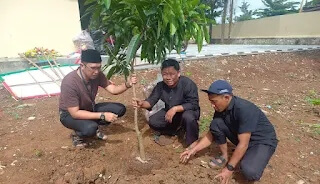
31,118
13,163
311,153
300,182
100,175
64,147
224,62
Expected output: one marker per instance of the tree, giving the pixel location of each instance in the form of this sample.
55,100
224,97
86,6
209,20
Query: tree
231,9
246,13
224,16
157,26
277,7
214,11
312,3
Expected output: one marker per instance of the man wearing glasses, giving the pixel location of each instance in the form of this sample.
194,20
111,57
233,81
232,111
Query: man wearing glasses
78,110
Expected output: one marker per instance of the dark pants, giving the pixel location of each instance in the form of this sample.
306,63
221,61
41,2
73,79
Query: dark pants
88,128
256,157
187,120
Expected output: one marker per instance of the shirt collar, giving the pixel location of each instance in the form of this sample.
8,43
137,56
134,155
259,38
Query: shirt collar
231,104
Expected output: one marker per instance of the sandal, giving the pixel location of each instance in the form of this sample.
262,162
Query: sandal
215,164
101,135
77,141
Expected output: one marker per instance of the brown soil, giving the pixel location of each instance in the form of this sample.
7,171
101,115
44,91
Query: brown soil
40,151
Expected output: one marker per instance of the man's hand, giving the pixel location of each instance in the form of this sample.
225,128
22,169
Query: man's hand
170,114
224,176
133,80
137,103
110,117
185,156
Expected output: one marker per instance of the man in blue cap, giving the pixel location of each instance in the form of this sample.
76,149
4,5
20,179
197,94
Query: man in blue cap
245,125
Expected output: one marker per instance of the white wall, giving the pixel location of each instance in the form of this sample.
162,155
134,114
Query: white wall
26,24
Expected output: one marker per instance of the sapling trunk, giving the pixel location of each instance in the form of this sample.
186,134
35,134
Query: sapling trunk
136,127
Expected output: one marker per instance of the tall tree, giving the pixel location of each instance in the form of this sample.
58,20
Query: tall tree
312,3
231,9
246,13
213,12
223,21
157,26
277,7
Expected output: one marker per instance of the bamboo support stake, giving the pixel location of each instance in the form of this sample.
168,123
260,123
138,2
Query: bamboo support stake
51,66
38,84
37,66
56,64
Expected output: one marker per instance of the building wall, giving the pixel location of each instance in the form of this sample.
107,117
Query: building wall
299,25
26,24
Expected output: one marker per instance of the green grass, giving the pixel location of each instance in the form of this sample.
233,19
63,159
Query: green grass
188,74
38,153
205,123
314,101
314,128
313,98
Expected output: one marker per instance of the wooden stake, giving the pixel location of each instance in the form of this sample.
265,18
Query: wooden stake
37,66
39,84
51,66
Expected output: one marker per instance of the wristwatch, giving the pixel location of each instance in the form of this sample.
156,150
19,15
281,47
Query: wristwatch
230,167
102,117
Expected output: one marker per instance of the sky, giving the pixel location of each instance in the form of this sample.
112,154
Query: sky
254,4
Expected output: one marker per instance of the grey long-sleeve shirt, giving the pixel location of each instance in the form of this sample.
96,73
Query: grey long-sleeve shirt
185,93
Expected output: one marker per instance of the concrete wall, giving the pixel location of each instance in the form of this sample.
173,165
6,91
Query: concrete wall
26,24
299,25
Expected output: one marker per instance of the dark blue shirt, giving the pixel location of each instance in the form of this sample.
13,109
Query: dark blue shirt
243,116
185,93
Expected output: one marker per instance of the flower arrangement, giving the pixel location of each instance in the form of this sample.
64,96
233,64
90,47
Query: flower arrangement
42,54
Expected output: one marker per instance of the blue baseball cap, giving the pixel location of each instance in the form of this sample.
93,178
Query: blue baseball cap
219,87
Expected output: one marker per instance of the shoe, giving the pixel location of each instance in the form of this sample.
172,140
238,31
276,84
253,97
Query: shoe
77,141
101,135
164,140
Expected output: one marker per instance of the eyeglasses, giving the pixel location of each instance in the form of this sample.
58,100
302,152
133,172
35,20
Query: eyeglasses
93,68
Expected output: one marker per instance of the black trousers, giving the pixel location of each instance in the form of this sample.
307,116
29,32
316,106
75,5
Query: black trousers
88,128
256,157
187,120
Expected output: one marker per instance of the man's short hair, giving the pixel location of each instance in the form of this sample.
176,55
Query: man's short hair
90,56
170,62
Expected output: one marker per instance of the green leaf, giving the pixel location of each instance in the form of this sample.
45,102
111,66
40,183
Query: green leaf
87,2
107,4
206,33
109,71
173,29
132,48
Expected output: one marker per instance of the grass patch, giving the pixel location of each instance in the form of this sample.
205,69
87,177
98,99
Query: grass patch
205,123
38,153
313,98
314,128
188,74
